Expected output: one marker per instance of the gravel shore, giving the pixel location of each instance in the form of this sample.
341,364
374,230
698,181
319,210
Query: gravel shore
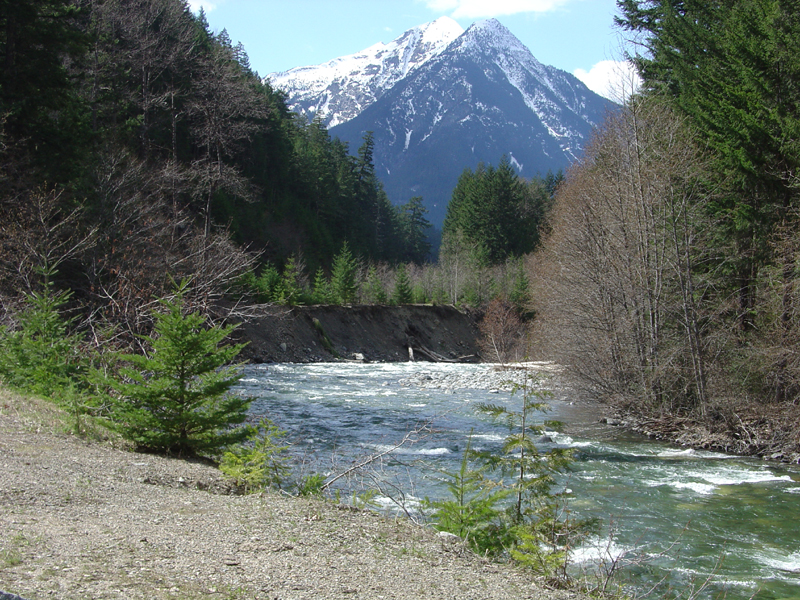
492,377
87,520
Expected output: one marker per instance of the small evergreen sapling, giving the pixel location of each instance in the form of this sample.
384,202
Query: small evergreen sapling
177,399
541,527
344,276
42,356
261,462
45,356
474,510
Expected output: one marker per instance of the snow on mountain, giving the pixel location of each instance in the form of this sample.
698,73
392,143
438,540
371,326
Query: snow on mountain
439,99
551,94
482,98
343,87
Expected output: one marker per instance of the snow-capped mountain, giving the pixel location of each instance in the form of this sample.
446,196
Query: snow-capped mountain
342,88
476,98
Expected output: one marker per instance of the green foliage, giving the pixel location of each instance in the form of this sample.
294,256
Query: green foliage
344,276
176,399
269,284
292,291
414,227
542,535
519,294
259,463
46,357
364,499
418,294
474,511
326,341
322,293
535,527
494,209
402,293
196,133
372,291
530,472
729,68
43,356
38,101
311,485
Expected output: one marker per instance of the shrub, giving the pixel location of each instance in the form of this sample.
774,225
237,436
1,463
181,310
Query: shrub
259,463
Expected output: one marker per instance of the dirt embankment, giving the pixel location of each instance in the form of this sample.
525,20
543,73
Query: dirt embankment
370,333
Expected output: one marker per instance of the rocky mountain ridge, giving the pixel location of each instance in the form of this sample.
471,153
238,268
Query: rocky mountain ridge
342,88
453,104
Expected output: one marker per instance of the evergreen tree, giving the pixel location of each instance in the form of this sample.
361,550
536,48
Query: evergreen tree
402,293
344,276
43,356
373,291
414,228
495,209
39,106
732,69
322,289
177,399
292,289
519,295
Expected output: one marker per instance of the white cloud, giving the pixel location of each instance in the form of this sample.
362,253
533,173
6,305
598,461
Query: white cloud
480,9
206,5
612,79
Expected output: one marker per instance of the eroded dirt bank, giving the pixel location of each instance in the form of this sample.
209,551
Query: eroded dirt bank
376,333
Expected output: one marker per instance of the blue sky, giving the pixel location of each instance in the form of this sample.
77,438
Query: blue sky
577,36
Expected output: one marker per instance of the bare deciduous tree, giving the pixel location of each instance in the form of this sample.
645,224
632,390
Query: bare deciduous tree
620,286
224,112
502,331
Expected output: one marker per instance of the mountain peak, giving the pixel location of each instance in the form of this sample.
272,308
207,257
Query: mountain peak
491,34
443,28
489,25
342,88
439,99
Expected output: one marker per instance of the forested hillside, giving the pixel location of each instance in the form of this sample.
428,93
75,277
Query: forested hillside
137,145
670,281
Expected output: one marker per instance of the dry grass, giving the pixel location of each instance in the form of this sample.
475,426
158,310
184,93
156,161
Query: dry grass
34,414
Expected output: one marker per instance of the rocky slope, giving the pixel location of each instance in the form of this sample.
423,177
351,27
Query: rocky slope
340,89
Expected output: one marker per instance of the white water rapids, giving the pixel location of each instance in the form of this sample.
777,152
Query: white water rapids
680,514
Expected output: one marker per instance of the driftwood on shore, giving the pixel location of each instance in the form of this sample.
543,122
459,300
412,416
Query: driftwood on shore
435,357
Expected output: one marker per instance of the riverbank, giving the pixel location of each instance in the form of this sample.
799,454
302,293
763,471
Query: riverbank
304,334
86,519
771,432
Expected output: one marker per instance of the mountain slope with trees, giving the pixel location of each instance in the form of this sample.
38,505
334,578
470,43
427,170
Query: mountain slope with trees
137,144
439,99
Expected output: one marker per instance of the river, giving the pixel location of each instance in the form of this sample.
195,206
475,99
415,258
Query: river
680,515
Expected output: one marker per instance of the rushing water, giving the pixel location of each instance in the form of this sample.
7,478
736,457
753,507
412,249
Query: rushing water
690,514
